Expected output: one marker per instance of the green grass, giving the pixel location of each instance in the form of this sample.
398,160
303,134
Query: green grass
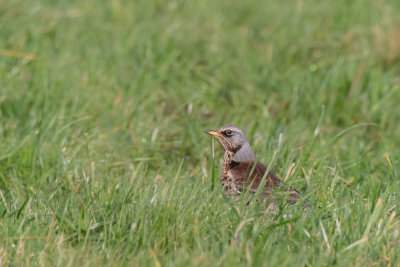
102,106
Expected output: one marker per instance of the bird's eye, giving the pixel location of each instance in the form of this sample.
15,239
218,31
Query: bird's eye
228,132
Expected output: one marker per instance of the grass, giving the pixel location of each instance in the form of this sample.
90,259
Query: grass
102,155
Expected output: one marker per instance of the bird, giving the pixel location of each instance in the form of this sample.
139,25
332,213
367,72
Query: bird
241,170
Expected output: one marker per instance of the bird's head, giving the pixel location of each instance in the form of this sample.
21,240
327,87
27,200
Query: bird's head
231,137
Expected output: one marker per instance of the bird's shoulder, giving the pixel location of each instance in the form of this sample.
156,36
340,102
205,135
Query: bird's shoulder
252,173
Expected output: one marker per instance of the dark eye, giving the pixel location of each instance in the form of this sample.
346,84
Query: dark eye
228,132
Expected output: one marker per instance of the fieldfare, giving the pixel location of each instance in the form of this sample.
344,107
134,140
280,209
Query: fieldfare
241,170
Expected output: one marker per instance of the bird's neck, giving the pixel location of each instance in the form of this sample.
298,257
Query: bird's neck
244,153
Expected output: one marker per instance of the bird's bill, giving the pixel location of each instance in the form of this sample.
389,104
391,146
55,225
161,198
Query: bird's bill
212,132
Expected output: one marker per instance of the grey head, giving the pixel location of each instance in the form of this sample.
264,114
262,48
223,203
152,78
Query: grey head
234,142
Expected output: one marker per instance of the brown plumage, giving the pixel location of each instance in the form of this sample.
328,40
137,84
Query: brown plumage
241,170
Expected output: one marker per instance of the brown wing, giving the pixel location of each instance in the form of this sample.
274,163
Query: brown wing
250,174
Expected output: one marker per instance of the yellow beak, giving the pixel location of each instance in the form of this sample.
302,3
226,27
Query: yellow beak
213,133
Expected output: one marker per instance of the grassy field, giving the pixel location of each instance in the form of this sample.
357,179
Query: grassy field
103,161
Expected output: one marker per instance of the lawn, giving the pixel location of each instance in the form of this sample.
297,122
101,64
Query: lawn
103,159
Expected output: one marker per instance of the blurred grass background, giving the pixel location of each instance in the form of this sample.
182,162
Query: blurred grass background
102,107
